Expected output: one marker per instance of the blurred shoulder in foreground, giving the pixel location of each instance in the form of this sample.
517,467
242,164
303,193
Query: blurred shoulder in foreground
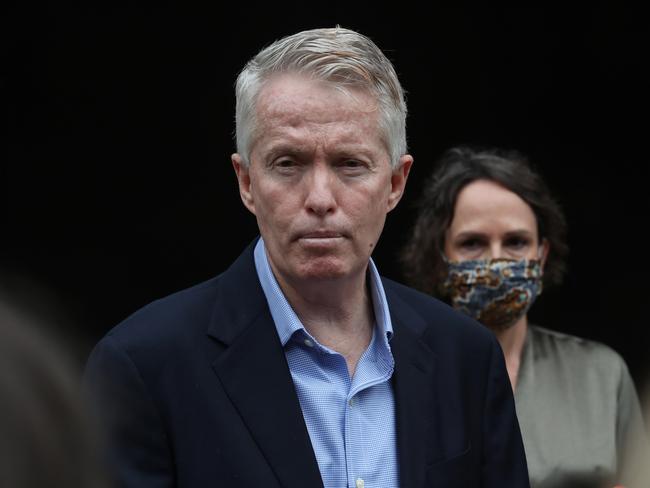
48,438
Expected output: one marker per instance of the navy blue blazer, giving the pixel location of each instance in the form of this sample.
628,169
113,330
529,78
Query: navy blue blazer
195,391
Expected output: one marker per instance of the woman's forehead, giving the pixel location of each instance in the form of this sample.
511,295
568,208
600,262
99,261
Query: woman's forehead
485,203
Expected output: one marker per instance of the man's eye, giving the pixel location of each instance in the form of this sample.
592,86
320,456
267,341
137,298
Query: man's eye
352,165
286,166
285,163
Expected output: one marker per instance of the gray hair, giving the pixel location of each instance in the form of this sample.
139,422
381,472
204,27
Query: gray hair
340,56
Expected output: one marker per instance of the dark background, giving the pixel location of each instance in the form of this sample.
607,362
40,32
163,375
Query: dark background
118,189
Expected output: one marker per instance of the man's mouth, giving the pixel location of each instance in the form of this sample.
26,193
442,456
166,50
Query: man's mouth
321,234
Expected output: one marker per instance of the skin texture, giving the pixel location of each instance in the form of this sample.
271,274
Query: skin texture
491,222
320,184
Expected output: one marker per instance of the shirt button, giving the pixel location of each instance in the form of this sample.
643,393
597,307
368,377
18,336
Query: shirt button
351,403
360,483
309,343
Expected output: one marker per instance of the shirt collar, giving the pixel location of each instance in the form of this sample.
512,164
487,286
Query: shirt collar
285,319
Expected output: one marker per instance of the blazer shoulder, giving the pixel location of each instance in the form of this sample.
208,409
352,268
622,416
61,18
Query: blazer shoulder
431,318
178,323
179,316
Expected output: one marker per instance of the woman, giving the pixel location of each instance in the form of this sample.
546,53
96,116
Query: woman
488,238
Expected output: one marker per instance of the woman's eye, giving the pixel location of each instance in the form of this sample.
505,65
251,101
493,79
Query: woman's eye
516,242
471,244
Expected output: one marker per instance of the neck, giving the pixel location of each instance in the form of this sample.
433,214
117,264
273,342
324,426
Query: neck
512,342
337,313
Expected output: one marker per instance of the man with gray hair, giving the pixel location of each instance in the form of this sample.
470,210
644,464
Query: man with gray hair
300,366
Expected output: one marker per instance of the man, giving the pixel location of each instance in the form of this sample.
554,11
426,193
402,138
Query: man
299,366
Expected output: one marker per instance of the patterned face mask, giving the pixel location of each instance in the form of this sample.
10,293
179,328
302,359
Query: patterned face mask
496,292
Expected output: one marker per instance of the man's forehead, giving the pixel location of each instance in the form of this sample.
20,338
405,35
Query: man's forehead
296,109
291,92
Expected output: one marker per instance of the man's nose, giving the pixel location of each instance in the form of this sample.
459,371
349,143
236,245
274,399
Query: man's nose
320,198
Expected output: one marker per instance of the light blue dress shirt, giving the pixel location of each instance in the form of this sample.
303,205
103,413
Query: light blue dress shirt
351,421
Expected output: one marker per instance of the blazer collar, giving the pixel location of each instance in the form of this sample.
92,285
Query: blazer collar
413,386
255,375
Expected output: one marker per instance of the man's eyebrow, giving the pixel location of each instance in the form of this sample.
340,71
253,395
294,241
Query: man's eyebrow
285,150
353,147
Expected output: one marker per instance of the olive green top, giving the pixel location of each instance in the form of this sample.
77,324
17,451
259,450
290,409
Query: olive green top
578,411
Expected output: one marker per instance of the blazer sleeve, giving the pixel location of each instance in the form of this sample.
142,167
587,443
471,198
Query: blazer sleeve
138,451
504,460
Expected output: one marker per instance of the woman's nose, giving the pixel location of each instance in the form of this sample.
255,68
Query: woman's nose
495,251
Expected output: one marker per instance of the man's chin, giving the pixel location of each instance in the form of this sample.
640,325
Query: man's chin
324,268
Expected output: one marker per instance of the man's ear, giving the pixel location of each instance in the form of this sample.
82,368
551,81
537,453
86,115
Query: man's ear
244,180
398,180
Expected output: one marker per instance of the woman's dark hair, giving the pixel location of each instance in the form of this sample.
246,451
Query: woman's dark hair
422,256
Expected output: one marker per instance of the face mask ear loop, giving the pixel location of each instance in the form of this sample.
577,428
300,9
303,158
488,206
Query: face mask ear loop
540,258
441,251
446,263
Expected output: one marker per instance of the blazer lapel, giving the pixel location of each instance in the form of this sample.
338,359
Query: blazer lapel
414,385
255,375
